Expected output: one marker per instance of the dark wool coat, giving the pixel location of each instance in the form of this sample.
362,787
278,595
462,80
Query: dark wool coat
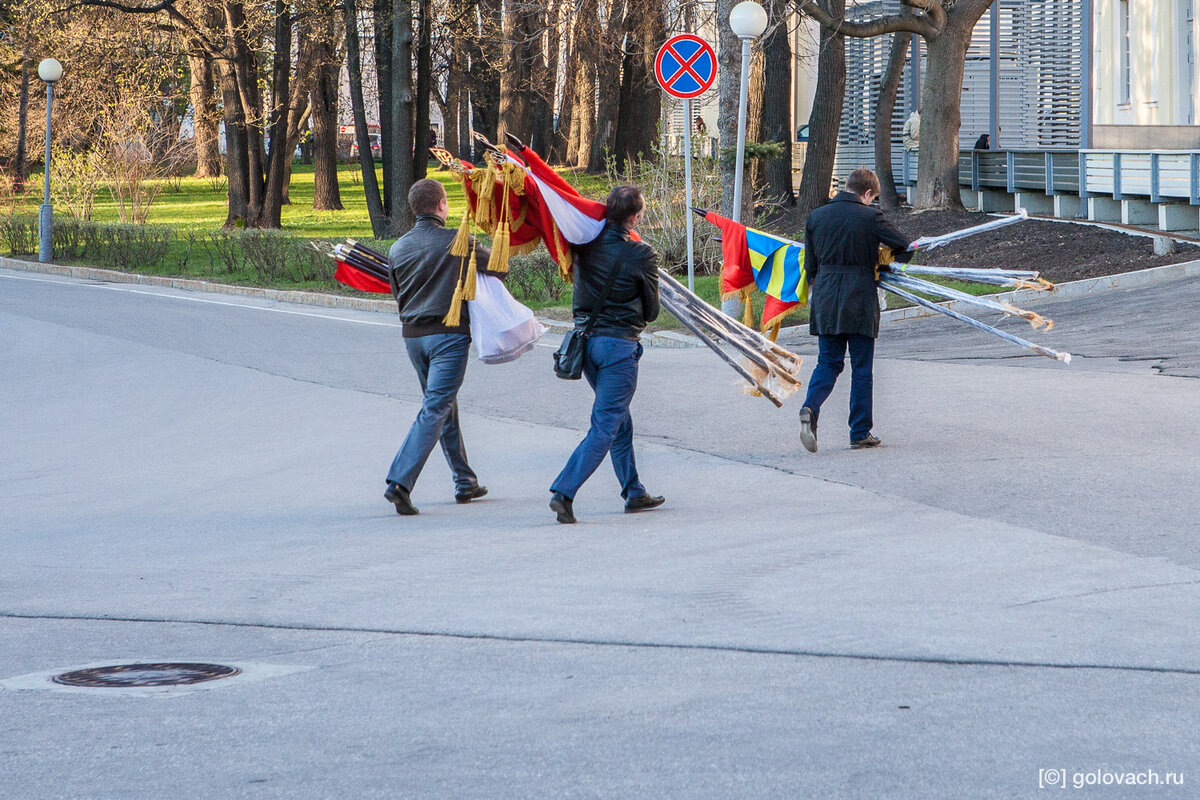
841,249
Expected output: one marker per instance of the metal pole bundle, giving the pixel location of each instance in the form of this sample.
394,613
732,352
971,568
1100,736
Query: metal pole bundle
1014,278
937,290
930,242
1017,340
770,369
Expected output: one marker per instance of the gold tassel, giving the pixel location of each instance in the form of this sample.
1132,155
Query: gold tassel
747,307
462,240
454,316
501,249
501,238
773,333
469,288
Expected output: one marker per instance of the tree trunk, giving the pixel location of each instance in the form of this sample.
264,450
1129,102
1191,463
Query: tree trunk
300,95
608,73
237,159
516,110
454,97
421,125
485,78
777,106
562,152
21,159
204,115
326,192
889,84
937,161
585,54
826,118
366,160
280,154
545,77
729,61
640,102
402,116
245,72
383,87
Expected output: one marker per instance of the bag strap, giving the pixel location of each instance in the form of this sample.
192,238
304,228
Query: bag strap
608,285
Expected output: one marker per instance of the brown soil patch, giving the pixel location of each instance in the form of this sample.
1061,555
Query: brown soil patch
1060,251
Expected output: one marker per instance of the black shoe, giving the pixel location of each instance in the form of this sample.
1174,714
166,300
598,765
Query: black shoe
865,442
398,495
561,504
470,494
643,503
808,430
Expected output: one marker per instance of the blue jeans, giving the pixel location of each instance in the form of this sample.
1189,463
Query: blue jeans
831,360
611,367
441,363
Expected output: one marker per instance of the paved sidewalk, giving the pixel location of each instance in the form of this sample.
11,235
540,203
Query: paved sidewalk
185,478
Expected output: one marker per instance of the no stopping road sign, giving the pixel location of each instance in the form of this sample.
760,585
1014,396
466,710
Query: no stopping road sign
686,66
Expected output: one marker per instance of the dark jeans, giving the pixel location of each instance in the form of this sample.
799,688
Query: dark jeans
441,363
611,367
831,360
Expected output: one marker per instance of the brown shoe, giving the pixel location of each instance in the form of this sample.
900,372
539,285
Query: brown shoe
643,503
866,442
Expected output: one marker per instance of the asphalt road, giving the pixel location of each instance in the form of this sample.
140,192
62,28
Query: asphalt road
1007,588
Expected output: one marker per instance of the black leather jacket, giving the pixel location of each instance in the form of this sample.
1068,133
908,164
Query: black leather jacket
633,300
424,275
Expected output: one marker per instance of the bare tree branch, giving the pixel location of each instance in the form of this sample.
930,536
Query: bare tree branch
163,5
920,25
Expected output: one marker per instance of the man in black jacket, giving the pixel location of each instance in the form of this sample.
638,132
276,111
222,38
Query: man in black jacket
424,276
610,361
841,249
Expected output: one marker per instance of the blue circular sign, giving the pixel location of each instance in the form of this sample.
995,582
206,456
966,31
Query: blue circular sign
686,66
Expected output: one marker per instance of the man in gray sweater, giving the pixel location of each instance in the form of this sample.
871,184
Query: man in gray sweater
424,276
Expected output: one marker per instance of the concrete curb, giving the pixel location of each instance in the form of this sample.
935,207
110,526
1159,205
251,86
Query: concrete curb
1063,291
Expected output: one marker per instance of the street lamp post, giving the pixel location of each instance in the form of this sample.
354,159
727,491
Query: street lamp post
49,71
748,20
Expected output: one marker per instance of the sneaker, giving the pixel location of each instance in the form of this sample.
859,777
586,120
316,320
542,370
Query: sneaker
470,494
865,442
398,495
808,430
561,504
643,503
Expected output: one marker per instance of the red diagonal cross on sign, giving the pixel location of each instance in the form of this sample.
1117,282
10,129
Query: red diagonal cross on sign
686,65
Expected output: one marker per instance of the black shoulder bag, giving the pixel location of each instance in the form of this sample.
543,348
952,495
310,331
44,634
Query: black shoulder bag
568,358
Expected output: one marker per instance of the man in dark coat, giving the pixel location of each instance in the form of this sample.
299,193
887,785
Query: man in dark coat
610,360
841,250
424,276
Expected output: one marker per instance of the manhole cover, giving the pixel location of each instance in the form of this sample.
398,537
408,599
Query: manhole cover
123,676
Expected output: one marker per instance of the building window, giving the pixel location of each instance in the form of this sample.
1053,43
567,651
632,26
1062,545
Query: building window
1126,79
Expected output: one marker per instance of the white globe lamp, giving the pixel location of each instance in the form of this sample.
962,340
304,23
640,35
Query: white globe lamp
50,70
748,20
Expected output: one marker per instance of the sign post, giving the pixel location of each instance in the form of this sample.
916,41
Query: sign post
686,67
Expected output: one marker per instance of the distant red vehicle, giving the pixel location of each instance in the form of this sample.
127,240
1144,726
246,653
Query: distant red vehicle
376,147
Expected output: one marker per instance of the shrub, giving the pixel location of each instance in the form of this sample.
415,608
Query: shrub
268,255
533,278
75,180
664,226
19,234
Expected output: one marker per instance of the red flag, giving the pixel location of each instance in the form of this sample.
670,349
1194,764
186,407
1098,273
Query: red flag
736,274
359,279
